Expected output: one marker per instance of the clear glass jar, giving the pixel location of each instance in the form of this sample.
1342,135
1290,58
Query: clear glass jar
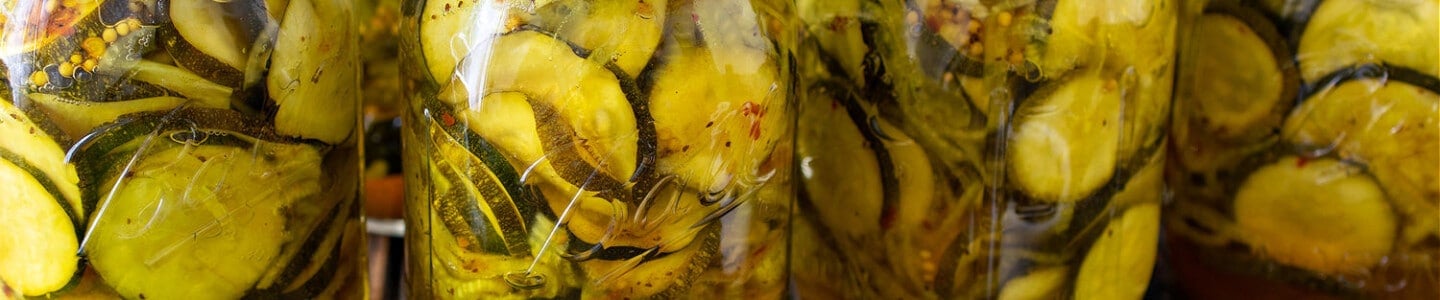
1306,150
597,149
180,149
982,149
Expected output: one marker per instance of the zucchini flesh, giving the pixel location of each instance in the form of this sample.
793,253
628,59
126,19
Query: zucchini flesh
584,120
1320,214
78,118
1239,91
450,29
198,202
623,32
842,175
714,122
1125,252
1387,125
212,38
655,273
1343,33
31,146
1064,144
313,69
37,249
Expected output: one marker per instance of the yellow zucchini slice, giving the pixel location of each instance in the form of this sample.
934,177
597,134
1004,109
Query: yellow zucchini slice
38,248
1240,91
314,69
1323,215
167,217
1064,143
1343,33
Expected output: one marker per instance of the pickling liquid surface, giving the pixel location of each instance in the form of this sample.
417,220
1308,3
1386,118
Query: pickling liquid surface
597,149
179,150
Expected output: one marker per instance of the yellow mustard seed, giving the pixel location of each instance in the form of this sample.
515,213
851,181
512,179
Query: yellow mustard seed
67,69
39,78
1004,18
90,65
110,35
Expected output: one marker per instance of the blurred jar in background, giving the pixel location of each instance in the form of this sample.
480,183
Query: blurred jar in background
981,149
1305,150
378,23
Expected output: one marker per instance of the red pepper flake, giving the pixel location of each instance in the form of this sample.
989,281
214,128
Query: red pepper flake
760,250
755,113
447,119
1300,162
888,217
839,23
749,108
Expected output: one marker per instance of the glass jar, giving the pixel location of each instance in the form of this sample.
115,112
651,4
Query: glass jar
180,149
982,149
1306,150
597,149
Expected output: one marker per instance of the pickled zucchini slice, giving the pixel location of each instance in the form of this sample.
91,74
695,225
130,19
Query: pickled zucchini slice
1342,33
205,207
1387,125
314,69
213,38
37,255
461,274
1064,143
1075,29
1321,214
578,104
78,118
716,124
181,82
24,143
604,229
450,29
1038,284
1118,265
654,274
475,195
507,120
623,32
1239,92
861,171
